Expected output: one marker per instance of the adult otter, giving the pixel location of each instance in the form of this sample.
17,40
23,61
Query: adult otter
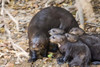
92,41
42,22
77,50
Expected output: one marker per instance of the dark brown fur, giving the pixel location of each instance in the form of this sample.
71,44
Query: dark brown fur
77,31
94,44
92,41
43,21
71,37
78,51
55,31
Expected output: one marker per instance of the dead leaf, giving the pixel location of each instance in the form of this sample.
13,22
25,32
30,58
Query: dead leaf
7,57
1,41
9,65
2,30
14,13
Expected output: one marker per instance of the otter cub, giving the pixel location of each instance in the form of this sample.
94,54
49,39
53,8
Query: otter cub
92,41
55,31
78,51
78,31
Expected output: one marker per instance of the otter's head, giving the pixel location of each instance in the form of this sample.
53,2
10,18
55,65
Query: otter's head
55,31
38,42
77,31
57,38
71,37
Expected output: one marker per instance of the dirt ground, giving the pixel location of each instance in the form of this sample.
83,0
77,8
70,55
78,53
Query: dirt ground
23,13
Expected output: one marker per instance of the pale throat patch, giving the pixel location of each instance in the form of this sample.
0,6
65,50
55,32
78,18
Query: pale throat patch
59,45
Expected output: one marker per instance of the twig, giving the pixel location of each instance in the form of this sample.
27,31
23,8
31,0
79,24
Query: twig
2,9
19,54
16,22
46,3
7,30
70,8
94,24
77,16
18,47
2,65
80,14
2,13
11,41
2,54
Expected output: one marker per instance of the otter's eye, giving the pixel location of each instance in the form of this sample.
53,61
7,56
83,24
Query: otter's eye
53,30
67,35
53,37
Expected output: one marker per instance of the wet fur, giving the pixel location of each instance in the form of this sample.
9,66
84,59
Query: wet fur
77,52
93,42
44,20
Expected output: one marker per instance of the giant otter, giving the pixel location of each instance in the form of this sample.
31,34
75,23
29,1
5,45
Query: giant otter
92,41
42,22
78,31
76,49
55,31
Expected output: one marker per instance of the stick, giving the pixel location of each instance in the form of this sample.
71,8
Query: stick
2,9
80,13
46,3
18,47
16,22
11,41
77,16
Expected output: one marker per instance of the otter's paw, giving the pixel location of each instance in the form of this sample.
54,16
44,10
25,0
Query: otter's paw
32,60
60,60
